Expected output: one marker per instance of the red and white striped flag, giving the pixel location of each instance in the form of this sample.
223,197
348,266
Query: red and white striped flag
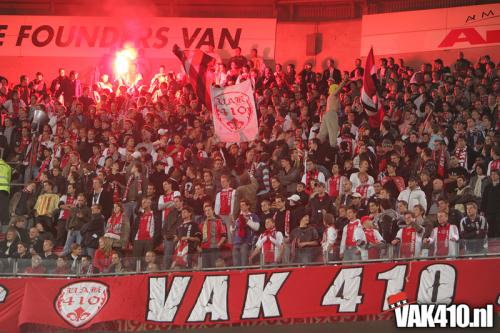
195,63
369,90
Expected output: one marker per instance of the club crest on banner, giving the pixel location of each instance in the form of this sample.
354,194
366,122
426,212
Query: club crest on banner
233,110
3,294
77,303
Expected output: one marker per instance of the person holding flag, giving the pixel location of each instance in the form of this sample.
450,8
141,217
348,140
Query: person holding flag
369,94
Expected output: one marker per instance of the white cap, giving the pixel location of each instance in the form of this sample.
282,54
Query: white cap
177,194
294,197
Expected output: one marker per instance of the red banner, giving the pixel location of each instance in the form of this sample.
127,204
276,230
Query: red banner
232,297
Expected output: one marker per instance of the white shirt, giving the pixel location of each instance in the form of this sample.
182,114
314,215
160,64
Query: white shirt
453,237
358,235
413,197
331,237
321,178
277,242
356,182
418,240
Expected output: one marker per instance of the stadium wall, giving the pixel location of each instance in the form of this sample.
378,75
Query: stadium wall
417,36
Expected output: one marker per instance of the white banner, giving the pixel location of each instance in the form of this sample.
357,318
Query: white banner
431,30
234,113
81,36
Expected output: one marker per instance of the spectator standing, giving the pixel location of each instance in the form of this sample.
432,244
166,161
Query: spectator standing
143,238
213,237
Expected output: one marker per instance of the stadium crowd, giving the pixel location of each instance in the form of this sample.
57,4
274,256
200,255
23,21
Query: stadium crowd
131,167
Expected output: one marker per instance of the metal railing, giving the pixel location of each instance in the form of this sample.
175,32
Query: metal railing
223,260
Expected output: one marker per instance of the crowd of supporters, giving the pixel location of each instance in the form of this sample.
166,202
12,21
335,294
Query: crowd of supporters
129,167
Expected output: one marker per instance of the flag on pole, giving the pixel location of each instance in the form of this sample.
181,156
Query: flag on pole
369,90
234,112
195,63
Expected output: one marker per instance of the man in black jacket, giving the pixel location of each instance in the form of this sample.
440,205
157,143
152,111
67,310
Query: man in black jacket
92,230
319,203
490,206
473,229
173,221
331,72
101,197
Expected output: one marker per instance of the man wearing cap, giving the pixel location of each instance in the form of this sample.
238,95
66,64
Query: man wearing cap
413,195
357,202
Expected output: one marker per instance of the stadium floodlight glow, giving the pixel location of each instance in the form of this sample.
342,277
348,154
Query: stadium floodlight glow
123,59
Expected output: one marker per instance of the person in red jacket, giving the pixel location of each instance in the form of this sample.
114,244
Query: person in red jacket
104,254
143,240
213,236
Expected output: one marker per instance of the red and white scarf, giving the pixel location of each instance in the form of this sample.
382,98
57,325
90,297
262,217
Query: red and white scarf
129,182
181,253
461,155
287,222
44,166
351,227
166,199
146,226
115,224
242,226
363,190
116,192
65,213
441,163
334,184
443,240
310,175
268,247
371,239
495,165
408,242
226,196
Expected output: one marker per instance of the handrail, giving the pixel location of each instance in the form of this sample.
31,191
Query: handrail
136,264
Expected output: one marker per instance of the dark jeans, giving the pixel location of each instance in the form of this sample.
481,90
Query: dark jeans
141,247
4,207
209,257
304,255
168,253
